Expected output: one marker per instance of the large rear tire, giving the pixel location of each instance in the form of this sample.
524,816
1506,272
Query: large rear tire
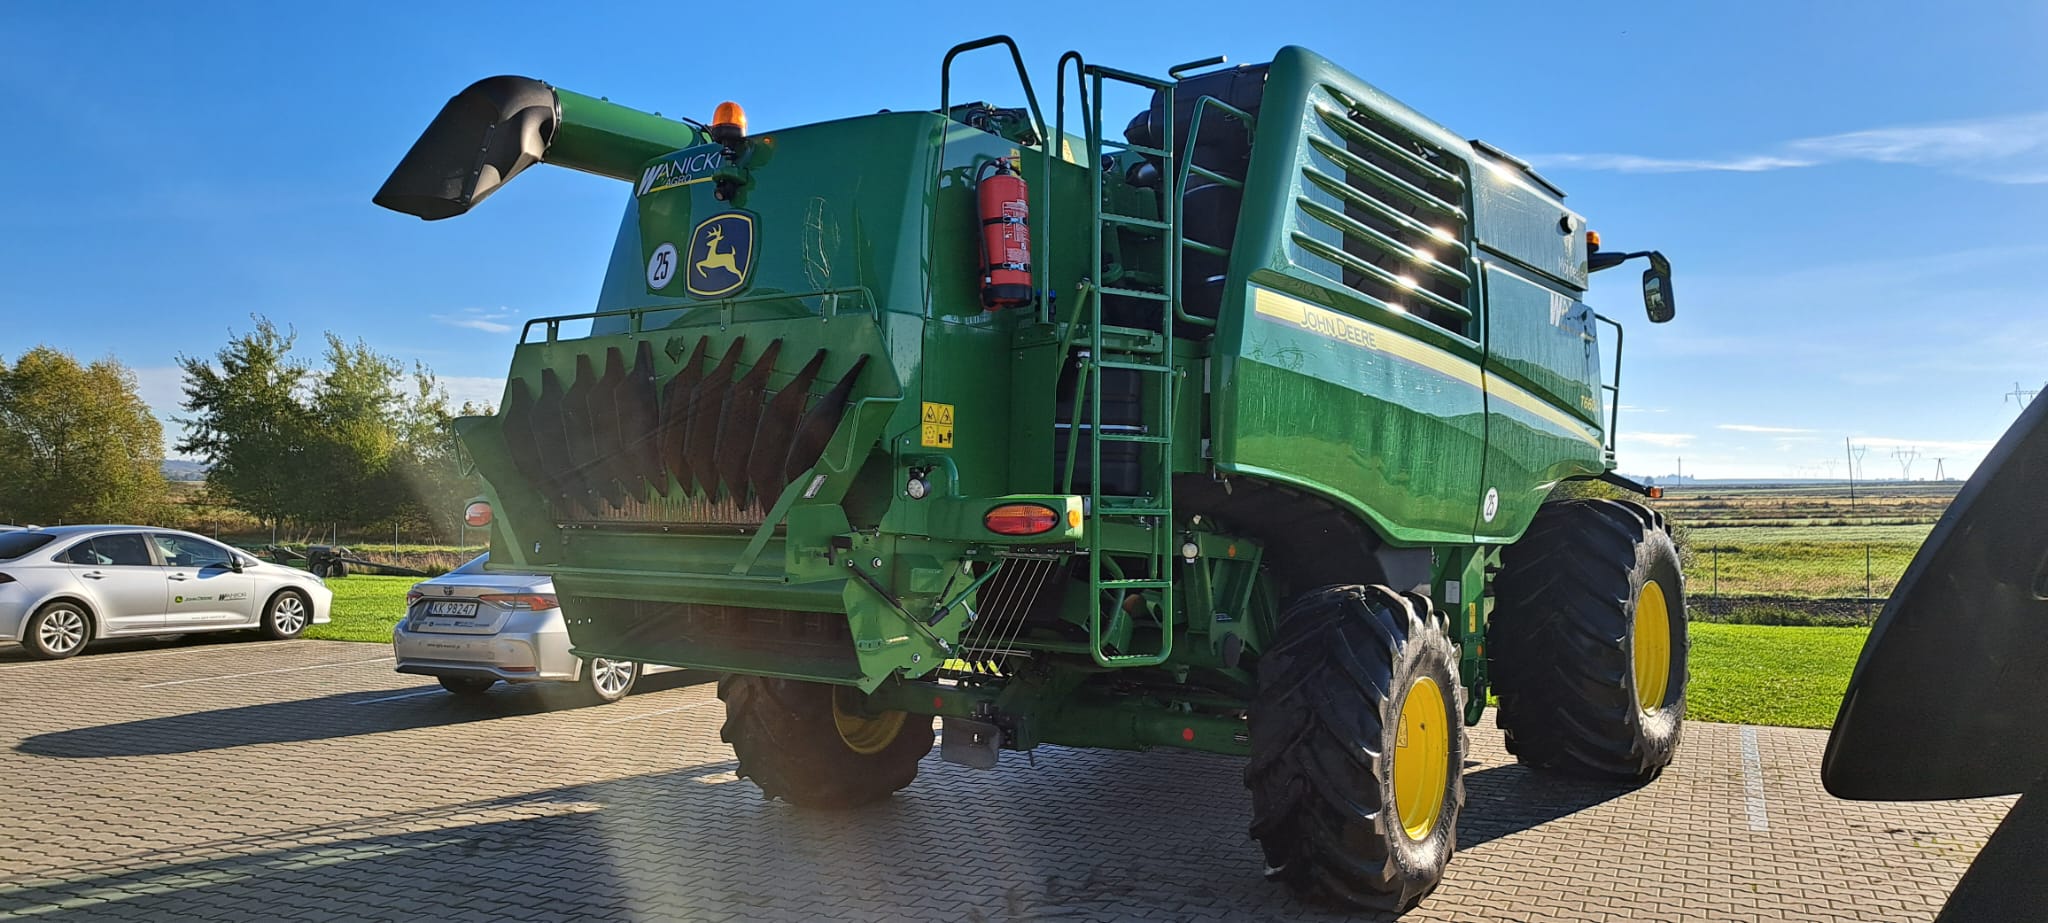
812,745
1358,748
1588,642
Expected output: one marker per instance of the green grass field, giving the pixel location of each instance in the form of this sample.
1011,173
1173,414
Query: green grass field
365,608
1768,674
1746,674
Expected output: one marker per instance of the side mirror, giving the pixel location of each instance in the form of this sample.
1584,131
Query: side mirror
1657,290
234,564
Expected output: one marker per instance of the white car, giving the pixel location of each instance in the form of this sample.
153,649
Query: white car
64,587
471,628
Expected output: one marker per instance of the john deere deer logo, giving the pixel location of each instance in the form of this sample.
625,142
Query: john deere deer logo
717,259
721,254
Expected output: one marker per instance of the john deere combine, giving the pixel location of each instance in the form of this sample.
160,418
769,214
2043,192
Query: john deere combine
1235,434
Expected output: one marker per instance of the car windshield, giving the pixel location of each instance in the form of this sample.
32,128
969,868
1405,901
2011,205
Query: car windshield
16,544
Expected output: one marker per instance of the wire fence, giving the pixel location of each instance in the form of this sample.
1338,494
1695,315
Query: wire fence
1793,582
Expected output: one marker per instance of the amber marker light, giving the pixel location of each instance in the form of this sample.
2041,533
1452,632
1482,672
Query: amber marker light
1592,240
729,123
1021,519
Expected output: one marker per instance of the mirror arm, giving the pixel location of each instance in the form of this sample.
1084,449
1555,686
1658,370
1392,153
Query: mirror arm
1597,261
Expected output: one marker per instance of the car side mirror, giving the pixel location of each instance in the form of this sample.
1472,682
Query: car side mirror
235,564
1657,290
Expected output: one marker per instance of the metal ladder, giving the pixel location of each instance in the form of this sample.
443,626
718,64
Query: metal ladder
1150,513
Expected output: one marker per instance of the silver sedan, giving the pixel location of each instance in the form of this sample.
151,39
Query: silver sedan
66,586
471,628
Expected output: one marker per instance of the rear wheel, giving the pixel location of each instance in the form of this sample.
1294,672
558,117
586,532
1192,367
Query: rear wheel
1588,641
607,680
467,685
814,745
56,631
1358,748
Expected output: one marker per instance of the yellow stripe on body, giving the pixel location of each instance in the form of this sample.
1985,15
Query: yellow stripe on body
1344,328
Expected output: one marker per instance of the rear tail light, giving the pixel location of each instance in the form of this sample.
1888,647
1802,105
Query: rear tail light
1021,519
533,601
413,596
478,514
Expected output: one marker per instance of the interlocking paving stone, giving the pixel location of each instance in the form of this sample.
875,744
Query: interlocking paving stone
283,795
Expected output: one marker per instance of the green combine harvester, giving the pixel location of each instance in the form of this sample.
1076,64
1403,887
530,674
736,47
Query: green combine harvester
1238,434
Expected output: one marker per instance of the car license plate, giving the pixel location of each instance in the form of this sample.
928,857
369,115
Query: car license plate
451,607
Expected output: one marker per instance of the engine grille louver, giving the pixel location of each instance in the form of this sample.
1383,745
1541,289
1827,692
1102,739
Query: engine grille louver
707,446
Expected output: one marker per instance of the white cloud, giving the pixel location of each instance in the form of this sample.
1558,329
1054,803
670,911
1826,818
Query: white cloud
2000,149
488,321
1668,440
473,389
1753,428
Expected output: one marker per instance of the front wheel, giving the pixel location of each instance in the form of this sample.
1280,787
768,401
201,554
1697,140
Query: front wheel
1588,642
286,615
815,745
1358,748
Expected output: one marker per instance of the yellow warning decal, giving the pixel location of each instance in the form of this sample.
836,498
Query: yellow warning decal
938,426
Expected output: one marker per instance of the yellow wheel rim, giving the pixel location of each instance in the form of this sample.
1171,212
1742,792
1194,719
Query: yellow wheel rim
863,734
1422,758
1652,647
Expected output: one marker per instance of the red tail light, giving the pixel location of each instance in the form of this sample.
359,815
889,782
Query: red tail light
533,601
478,514
413,596
1021,519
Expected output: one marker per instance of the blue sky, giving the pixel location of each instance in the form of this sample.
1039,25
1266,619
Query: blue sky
1854,201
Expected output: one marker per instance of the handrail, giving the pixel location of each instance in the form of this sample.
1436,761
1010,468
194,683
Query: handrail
1016,58
1614,409
1059,105
1179,71
637,314
1185,165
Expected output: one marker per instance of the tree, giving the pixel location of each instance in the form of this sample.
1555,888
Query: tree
354,410
249,424
77,444
428,463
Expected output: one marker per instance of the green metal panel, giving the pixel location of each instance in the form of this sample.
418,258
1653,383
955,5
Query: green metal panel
1356,396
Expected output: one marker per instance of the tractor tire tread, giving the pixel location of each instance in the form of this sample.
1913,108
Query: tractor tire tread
1317,764
783,735
1560,658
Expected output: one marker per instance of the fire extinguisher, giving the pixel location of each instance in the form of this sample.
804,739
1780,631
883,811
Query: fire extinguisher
1005,236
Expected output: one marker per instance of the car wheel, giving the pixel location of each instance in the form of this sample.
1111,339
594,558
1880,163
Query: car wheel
286,615
56,631
467,685
609,680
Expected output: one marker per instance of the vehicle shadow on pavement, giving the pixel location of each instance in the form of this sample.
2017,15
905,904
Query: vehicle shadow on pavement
11,653
1504,800
346,714
698,843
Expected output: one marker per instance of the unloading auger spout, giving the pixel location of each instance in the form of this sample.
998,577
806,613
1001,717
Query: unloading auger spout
499,126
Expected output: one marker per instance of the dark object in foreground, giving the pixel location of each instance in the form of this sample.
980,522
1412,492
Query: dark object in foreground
1945,701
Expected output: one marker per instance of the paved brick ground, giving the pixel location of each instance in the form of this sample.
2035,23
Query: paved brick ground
306,781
